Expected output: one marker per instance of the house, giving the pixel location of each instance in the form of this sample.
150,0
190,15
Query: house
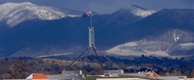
37,76
149,74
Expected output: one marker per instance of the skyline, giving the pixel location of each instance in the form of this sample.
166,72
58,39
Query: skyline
110,6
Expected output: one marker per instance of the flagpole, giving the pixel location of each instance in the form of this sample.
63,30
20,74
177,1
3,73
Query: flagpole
91,18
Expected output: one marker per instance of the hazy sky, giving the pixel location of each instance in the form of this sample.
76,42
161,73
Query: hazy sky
109,6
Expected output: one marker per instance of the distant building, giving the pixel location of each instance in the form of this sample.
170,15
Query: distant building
34,76
77,75
149,74
67,75
113,72
37,76
153,75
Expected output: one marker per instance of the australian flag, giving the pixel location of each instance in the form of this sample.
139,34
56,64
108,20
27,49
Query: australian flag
86,14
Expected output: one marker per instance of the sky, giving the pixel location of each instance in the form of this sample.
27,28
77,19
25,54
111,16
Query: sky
109,6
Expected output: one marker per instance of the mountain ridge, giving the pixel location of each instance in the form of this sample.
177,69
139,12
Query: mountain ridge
159,23
69,35
138,11
15,13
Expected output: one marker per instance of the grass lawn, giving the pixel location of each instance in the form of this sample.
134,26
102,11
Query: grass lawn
94,77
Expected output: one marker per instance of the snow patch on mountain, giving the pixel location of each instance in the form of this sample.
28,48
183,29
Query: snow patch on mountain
186,46
51,55
138,11
163,45
15,13
138,48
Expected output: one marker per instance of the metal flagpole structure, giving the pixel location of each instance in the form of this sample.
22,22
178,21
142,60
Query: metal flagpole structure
91,18
91,46
85,58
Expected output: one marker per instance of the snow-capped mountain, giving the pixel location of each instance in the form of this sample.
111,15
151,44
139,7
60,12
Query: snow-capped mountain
15,13
174,29
164,45
127,15
167,32
137,11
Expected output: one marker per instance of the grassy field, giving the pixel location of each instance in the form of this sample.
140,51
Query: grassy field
95,77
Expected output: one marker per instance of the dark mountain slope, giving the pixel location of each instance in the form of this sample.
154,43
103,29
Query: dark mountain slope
173,28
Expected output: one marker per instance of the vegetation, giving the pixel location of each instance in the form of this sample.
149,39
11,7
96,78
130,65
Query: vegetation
17,68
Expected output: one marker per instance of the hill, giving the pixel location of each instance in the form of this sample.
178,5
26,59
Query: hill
166,33
63,36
